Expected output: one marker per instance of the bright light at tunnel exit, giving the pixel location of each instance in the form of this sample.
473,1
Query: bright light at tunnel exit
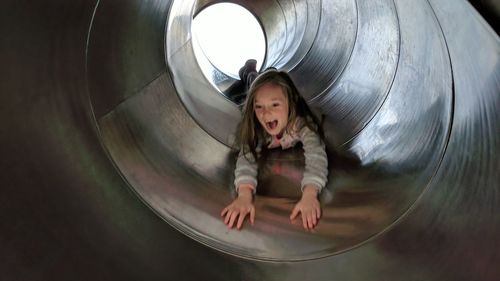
227,35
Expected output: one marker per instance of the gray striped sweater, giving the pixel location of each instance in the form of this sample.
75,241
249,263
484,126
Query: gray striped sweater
316,166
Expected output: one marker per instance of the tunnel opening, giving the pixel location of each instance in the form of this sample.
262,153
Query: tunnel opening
226,35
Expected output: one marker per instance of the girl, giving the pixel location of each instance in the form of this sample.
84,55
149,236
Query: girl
275,115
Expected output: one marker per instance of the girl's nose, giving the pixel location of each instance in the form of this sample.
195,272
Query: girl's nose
266,111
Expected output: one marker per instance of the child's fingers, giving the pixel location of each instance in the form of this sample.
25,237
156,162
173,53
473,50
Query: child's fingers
295,212
241,219
314,217
224,211
304,221
318,212
252,215
228,216
234,215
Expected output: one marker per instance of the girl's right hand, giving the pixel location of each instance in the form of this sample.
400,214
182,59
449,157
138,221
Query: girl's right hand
240,208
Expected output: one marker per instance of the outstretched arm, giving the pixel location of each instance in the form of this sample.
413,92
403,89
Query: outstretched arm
316,166
245,183
315,177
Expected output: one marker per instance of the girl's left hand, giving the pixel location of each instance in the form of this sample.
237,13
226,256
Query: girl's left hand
309,207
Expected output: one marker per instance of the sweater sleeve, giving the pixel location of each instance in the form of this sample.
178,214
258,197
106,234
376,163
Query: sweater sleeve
316,166
246,171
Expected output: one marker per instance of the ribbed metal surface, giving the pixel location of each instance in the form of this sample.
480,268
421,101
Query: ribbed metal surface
101,98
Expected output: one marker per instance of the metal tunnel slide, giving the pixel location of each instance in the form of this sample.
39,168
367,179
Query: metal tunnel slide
116,155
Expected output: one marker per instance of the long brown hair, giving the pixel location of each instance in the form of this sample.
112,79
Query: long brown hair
250,132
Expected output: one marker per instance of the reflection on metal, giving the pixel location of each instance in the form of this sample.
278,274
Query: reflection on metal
409,92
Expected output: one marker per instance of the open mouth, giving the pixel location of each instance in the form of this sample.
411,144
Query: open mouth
272,124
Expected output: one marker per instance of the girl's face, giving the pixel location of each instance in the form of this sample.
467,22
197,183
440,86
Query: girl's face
271,109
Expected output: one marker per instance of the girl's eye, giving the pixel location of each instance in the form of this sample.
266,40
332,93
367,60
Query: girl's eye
276,104
258,106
